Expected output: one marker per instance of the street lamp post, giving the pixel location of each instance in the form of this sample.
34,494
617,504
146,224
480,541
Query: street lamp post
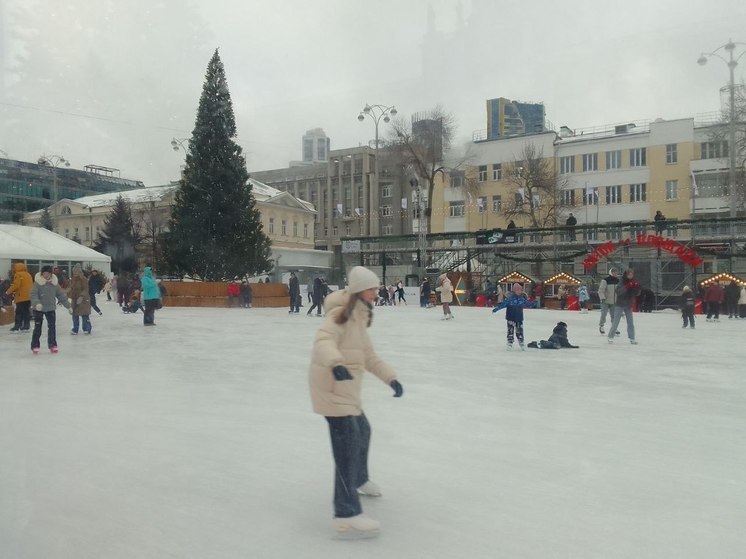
376,113
731,62
53,161
177,143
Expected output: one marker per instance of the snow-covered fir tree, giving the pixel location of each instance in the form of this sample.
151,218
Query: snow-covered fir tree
119,237
215,231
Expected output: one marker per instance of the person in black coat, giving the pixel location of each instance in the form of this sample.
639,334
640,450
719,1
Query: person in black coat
571,223
730,294
557,340
294,289
95,285
319,292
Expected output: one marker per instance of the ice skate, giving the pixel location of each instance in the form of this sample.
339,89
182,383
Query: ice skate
35,350
633,342
54,349
369,489
611,340
73,332
523,347
356,527
601,330
509,346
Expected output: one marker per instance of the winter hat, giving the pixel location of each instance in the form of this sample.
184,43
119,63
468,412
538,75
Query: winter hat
361,278
46,269
77,269
612,271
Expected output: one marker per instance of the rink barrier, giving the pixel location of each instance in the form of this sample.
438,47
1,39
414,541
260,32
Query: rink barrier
9,316
214,295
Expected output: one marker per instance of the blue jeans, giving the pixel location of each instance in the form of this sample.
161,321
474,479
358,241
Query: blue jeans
618,311
350,443
86,323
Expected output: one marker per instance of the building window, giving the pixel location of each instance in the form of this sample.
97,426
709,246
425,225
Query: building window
360,194
386,191
348,230
590,196
386,211
284,228
482,173
637,192
87,233
335,231
66,210
567,197
67,233
482,204
76,234
672,190
456,209
295,229
714,150
457,181
613,233
613,195
313,197
497,171
638,157
614,159
535,201
590,162
271,225
671,154
305,230
497,204
591,234
387,229
567,164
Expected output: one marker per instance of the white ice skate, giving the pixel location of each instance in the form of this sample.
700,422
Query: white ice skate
369,489
356,527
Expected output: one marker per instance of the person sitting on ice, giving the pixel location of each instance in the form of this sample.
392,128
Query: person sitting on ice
557,340
134,303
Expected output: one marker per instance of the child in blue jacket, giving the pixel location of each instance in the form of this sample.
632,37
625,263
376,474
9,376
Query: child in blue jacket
515,302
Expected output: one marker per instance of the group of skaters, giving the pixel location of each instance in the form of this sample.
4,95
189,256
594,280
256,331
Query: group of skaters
240,294
391,295
37,298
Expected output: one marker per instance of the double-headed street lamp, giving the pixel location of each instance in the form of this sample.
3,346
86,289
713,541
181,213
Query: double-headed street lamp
177,143
53,161
376,113
732,62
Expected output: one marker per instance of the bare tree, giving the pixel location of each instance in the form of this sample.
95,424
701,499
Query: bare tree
421,144
151,221
537,188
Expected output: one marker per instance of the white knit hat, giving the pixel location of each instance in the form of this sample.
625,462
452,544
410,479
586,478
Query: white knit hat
361,278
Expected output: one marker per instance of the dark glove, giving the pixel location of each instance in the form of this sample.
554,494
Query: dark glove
398,388
340,372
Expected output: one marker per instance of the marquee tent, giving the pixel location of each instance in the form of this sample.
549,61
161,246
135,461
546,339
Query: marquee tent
36,246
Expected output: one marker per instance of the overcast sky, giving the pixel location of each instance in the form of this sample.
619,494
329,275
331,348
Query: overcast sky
110,82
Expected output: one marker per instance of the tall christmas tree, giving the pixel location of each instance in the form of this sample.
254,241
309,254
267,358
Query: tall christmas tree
215,231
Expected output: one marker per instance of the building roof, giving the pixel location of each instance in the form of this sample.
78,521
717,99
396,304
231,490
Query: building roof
150,194
36,243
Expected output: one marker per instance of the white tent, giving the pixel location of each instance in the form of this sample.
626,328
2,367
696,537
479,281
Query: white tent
36,246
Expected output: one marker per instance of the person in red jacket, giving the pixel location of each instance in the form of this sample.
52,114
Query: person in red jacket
234,291
713,300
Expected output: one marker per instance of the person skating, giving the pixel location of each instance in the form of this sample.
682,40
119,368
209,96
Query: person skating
562,296
742,303
607,296
445,288
319,292
45,294
246,294
342,353
80,300
557,340
626,291
151,295
687,307
425,293
21,289
583,298
95,285
400,292
713,299
730,295
294,290
515,302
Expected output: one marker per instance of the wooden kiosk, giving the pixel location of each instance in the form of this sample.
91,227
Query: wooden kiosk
506,282
552,287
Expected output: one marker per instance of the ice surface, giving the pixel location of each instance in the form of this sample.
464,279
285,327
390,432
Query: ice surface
195,439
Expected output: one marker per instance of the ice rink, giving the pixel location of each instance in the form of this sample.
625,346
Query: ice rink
195,439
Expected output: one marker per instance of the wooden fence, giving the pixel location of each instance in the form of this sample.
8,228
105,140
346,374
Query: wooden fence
215,294
7,317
